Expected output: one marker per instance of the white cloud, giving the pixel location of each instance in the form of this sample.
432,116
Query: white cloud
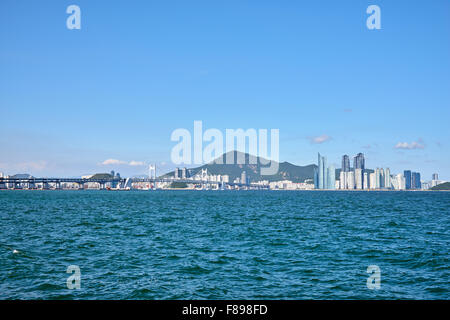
410,146
120,162
136,163
112,161
320,139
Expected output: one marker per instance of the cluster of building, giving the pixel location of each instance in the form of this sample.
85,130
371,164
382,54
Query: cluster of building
326,177
360,178
289,185
201,175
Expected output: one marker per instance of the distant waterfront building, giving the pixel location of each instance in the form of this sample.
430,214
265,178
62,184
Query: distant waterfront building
244,178
418,181
407,175
426,185
1,175
350,180
331,177
113,174
343,180
365,181
372,180
358,161
399,182
387,178
325,177
382,178
377,179
320,175
415,181
322,172
358,179
180,173
435,180
345,163
316,178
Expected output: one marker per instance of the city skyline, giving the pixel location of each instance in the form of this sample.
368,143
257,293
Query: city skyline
106,95
324,175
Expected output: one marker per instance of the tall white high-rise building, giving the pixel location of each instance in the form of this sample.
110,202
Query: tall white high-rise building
382,175
343,180
372,180
399,182
387,179
350,180
358,179
365,181
331,177
377,178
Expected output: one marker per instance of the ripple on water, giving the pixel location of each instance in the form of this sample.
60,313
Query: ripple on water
224,245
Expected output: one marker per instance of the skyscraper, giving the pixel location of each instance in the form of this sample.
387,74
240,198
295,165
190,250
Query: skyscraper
399,182
358,179
350,180
435,176
320,173
358,161
331,177
372,180
365,181
387,178
415,181
316,178
345,163
325,173
418,182
377,179
324,178
407,175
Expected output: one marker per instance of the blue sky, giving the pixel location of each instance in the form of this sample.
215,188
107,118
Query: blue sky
137,70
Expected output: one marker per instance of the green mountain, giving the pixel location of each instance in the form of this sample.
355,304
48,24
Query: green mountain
286,170
442,186
102,176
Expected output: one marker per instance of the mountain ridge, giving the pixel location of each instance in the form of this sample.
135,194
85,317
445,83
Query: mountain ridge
286,170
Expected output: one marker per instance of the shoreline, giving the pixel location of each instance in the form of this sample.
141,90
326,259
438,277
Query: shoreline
192,189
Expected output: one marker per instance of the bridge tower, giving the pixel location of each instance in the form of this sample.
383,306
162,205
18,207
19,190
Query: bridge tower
152,171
